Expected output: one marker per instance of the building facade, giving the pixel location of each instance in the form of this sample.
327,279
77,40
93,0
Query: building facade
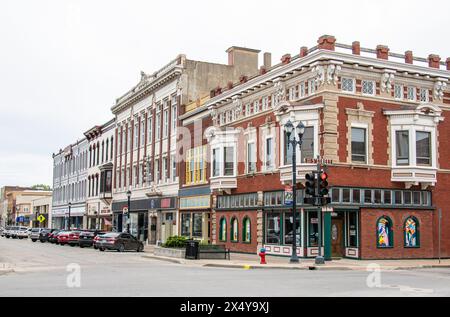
100,175
145,162
380,122
8,204
41,207
70,167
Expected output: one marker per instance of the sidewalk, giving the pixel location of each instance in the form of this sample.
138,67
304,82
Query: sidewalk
251,261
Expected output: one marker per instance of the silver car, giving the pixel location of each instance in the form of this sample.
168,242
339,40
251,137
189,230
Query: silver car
35,233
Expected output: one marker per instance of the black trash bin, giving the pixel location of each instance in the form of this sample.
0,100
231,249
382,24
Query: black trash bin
192,249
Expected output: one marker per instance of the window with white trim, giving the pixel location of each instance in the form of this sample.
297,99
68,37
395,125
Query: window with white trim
348,84
301,89
423,148
311,86
251,157
265,103
423,97
136,135
412,93
150,129
368,87
174,114
165,123
292,93
398,92
256,106
142,132
157,171
268,155
359,145
174,168
402,147
228,158
158,126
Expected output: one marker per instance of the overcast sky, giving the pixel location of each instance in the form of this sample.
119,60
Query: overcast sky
63,63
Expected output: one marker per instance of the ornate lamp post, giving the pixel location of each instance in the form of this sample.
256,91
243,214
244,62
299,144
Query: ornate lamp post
128,214
300,130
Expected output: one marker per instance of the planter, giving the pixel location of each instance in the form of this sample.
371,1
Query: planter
170,252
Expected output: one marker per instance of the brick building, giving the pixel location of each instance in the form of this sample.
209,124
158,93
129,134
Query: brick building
381,121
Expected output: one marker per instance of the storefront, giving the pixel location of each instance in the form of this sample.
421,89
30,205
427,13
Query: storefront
162,219
195,217
60,217
359,223
99,219
133,220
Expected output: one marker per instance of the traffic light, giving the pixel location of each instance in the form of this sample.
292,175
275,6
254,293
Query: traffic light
323,184
310,185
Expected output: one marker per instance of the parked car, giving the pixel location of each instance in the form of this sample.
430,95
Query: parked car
8,232
53,237
35,233
87,238
63,237
45,234
2,233
73,238
119,241
21,233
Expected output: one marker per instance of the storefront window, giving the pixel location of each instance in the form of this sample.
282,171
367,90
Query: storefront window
273,228
384,232
197,224
246,233
186,224
352,230
288,230
313,229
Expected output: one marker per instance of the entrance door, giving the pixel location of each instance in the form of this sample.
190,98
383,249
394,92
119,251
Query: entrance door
337,237
153,222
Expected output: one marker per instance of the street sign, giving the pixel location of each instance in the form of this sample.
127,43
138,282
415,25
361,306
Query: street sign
41,218
125,210
288,196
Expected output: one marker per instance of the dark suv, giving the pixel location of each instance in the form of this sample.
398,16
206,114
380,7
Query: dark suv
45,234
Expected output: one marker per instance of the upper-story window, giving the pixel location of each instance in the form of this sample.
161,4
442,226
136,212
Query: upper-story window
174,167
256,106
398,92
269,154
129,139
196,165
157,171
292,93
265,103
142,132
423,148
251,157
412,93
368,87
311,86
215,162
423,97
228,158
158,126
402,147
136,135
359,145
166,123
174,114
307,148
150,129
348,84
165,169
301,89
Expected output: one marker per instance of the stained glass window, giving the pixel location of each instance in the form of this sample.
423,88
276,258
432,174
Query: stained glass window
234,230
246,237
384,233
223,229
411,233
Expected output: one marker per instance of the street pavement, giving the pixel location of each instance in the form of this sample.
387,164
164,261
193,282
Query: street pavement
36,269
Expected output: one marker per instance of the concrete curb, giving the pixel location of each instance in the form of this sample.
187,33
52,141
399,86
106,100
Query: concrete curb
154,257
6,271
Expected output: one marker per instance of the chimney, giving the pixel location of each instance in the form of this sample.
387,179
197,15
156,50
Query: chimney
243,79
218,91
303,51
382,52
409,59
244,59
434,61
286,58
267,60
356,48
448,63
262,70
326,42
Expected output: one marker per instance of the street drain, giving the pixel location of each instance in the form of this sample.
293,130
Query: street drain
311,268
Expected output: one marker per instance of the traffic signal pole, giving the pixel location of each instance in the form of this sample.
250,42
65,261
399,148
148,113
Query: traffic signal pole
319,258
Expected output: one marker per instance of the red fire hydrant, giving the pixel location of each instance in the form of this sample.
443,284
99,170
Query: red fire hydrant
262,255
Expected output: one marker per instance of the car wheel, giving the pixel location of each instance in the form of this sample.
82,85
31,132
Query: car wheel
34,240
42,241
121,248
140,248
20,238
102,249
72,245
81,246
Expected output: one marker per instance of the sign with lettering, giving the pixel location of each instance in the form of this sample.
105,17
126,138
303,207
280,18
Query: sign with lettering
288,196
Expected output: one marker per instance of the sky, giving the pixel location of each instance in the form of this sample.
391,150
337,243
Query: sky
63,63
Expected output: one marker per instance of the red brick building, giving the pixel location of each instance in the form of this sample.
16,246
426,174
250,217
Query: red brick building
382,121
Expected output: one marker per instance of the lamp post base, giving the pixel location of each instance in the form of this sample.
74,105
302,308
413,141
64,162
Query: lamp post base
294,259
320,260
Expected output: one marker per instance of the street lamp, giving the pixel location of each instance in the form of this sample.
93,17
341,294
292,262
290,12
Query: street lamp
300,130
128,214
70,205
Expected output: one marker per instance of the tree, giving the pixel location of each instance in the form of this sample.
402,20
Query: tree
41,187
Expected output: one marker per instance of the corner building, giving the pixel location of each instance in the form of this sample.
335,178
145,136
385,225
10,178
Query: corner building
379,119
146,137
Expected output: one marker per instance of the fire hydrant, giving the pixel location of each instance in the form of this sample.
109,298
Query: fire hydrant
262,255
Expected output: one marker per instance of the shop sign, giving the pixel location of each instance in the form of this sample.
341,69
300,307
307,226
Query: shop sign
314,220
165,203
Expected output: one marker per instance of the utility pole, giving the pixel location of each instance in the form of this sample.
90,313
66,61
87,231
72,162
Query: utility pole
319,258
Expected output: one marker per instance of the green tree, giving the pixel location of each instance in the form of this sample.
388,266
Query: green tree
41,187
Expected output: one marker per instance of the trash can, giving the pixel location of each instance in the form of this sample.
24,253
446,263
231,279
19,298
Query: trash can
192,249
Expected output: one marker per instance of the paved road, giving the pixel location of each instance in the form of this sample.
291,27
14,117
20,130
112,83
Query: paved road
40,270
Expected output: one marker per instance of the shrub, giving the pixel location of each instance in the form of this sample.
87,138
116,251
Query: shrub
175,242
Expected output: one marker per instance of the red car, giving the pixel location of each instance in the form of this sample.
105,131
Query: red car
74,238
63,237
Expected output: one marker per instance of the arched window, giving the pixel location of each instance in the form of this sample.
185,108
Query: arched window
223,229
385,236
234,230
246,230
411,232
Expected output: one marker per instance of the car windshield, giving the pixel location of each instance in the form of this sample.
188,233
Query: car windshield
111,235
35,230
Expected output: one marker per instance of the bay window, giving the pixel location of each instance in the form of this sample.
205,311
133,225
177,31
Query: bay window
402,147
228,156
269,162
423,148
251,157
